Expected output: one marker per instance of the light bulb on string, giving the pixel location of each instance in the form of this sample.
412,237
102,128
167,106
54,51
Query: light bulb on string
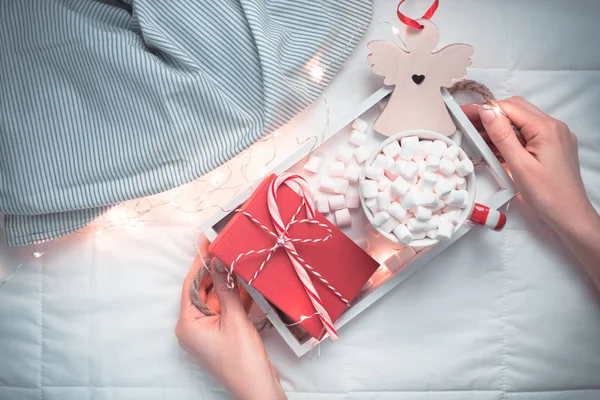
217,178
395,30
316,72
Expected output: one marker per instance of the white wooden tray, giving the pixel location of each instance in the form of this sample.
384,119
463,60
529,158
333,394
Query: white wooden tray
494,188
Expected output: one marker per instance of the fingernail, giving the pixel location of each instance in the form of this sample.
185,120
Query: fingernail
487,114
219,266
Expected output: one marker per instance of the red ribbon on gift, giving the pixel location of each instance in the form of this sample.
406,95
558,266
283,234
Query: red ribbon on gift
285,241
411,22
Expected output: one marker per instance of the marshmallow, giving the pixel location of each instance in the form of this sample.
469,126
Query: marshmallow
432,234
460,182
419,235
383,184
452,216
437,148
313,164
383,201
433,163
425,146
352,173
416,226
464,167
357,138
361,154
421,165
410,141
451,153
343,218
407,153
389,225
419,154
427,199
380,218
443,186
399,187
423,214
390,175
457,197
407,254
409,172
344,154
326,185
352,199
448,209
336,169
403,234
397,211
371,205
447,167
434,222
340,186
394,263
445,231
392,149
428,180
369,189
457,137
322,204
373,172
360,125
396,168
383,161
337,202
410,200
465,203
439,207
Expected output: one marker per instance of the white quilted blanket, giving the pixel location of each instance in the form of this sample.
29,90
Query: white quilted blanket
501,316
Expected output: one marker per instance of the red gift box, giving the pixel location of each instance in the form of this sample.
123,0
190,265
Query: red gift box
338,260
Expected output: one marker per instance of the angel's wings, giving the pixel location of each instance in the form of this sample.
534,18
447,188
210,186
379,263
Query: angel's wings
387,60
454,60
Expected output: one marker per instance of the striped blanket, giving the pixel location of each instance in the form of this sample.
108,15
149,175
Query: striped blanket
107,101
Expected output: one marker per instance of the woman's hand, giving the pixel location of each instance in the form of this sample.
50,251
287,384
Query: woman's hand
227,344
546,173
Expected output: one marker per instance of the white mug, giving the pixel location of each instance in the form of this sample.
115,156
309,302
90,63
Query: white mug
476,213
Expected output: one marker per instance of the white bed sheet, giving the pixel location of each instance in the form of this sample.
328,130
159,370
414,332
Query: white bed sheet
500,316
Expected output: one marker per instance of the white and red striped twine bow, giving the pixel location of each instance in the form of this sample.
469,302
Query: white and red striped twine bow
283,240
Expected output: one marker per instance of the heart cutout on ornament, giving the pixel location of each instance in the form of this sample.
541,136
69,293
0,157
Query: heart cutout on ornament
418,79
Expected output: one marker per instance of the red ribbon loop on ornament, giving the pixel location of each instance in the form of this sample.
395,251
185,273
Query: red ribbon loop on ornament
411,22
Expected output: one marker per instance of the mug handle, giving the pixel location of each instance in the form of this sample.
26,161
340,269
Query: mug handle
487,217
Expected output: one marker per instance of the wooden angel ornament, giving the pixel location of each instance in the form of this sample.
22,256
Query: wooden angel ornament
418,75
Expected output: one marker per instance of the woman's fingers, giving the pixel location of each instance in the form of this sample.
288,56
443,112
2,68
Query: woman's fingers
472,112
229,299
519,101
523,118
502,135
